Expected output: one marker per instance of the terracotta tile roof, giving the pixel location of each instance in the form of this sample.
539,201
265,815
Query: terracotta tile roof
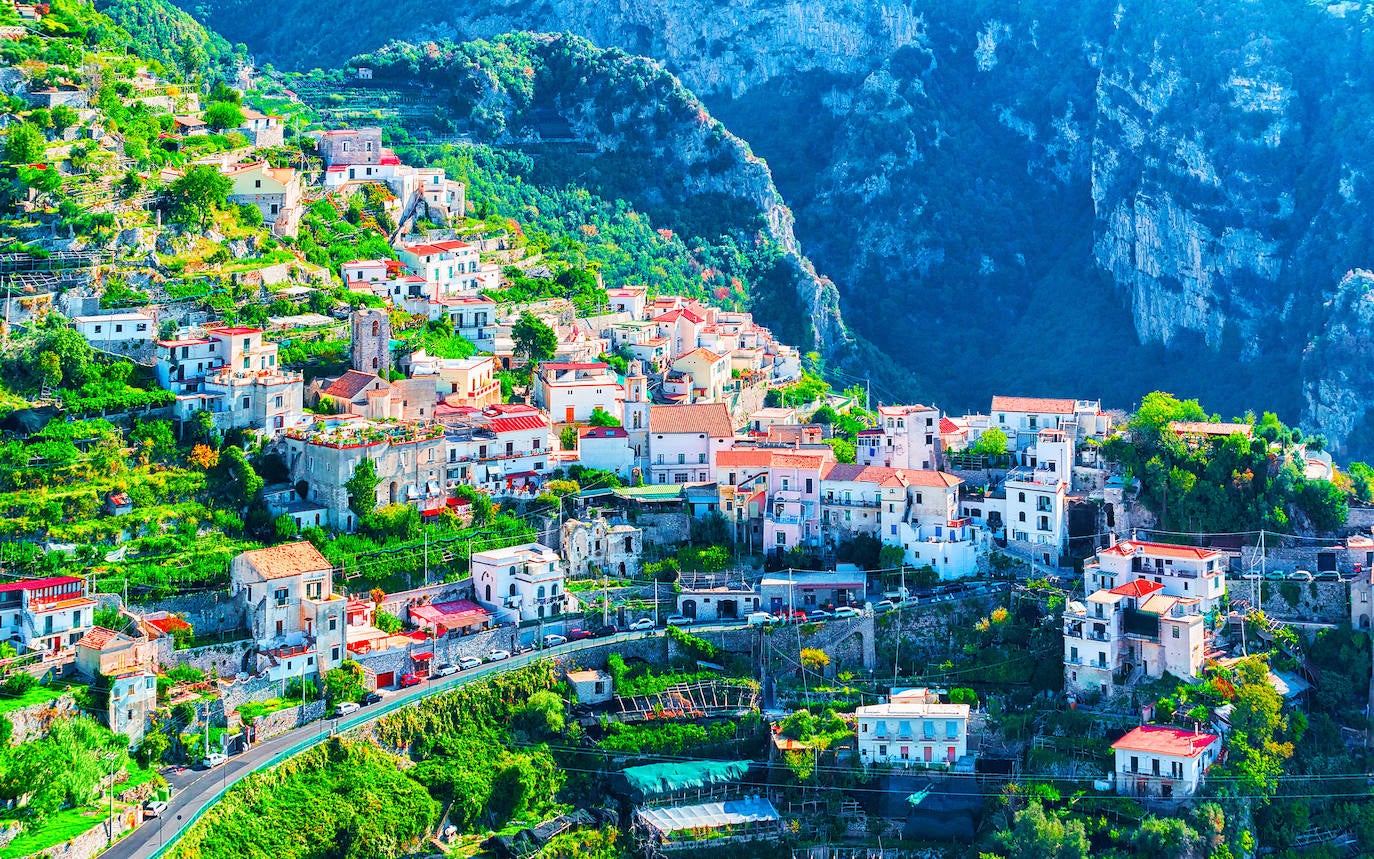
98,638
710,418
350,384
744,458
1038,405
884,476
1127,548
1137,588
675,315
517,423
702,352
169,624
288,559
233,330
1159,740
948,426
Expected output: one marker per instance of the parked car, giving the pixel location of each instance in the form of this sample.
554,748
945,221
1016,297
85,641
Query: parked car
444,669
376,696
819,614
846,611
411,679
606,631
553,639
579,635
643,623
497,655
760,618
468,662
1301,576
1327,576
345,708
214,759
798,616
678,620
154,808
883,605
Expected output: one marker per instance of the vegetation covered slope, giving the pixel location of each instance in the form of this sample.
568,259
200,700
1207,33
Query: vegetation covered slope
650,140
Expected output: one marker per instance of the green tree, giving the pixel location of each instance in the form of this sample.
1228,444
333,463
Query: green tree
64,117
602,418
567,437
344,683
1164,838
197,194
50,369
223,114
891,557
533,339
234,478
1038,834
540,717
993,442
386,621
362,488
25,144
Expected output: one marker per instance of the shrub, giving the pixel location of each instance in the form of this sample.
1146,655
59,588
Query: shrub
19,683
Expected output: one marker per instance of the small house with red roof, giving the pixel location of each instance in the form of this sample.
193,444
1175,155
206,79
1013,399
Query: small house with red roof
1133,631
1160,762
453,266
457,617
296,618
571,391
606,449
1184,571
905,437
48,614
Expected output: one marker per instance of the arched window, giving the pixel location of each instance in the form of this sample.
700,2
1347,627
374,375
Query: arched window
512,588
376,328
393,492
374,362
541,592
488,593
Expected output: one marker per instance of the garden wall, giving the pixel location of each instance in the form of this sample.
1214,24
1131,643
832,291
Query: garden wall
219,660
1320,602
278,723
208,613
31,723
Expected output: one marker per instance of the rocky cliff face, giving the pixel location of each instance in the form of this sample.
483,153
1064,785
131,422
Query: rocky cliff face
1176,187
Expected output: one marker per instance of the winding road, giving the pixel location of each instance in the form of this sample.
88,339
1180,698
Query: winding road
194,791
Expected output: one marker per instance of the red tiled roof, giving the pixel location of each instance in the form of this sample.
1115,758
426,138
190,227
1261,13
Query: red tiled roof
879,474
169,624
517,423
572,365
1159,740
948,426
675,315
99,637
1127,548
1137,588
710,418
602,432
1038,405
703,352
38,584
453,614
233,330
289,559
350,384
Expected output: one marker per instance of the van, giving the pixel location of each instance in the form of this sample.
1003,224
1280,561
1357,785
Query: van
896,596
759,618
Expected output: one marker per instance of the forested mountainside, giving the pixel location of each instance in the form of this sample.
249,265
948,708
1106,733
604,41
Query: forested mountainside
626,129
1175,185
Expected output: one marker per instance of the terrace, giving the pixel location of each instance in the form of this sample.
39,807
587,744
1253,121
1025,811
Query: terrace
357,433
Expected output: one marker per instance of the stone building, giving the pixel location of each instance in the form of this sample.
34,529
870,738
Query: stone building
347,146
370,340
594,546
409,458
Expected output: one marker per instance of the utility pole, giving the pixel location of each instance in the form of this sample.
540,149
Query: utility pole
426,557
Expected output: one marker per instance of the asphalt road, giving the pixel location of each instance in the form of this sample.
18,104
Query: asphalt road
194,790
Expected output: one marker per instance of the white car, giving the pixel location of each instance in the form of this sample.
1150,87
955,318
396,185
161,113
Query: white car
214,759
497,655
444,669
345,708
883,605
553,639
846,611
678,620
468,662
643,623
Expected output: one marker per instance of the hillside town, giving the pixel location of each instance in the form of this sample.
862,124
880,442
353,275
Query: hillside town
296,443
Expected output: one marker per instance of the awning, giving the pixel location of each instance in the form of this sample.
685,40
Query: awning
710,815
422,657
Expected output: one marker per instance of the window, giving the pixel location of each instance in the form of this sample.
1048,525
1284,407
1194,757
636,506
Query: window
333,624
682,459
1135,764
1175,632
277,403
334,654
918,498
1021,496
281,596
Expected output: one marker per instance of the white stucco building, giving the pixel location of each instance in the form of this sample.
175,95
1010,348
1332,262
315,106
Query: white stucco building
913,729
524,582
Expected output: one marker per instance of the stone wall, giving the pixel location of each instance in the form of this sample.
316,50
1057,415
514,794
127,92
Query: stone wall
31,723
927,631
209,612
664,529
397,603
219,660
278,723
1295,558
1315,602
1360,518
90,843
234,694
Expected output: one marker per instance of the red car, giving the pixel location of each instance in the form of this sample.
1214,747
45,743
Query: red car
578,635
408,680
799,616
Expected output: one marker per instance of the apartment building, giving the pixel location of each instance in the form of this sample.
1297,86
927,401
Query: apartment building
1128,632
